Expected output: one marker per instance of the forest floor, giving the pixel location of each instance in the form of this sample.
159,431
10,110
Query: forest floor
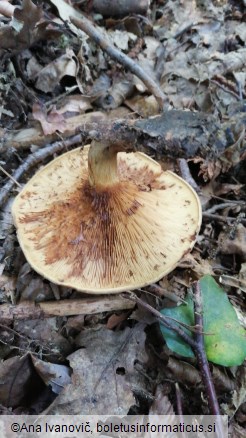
180,96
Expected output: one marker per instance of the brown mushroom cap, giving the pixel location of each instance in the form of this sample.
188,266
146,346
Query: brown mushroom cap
105,238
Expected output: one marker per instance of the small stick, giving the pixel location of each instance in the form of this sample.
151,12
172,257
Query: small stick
162,293
179,408
219,218
226,90
8,174
84,306
230,204
86,26
202,358
33,160
185,173
179,401
163,319
6,9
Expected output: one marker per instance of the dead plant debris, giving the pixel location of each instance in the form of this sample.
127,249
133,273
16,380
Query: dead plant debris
169,78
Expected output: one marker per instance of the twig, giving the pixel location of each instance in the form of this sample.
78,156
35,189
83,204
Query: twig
163,319
179,401
183,30
86,26
226,90
230,204
162,293
6,9
219,218
202,358
179,408
185,173
48,309
33,160
8,174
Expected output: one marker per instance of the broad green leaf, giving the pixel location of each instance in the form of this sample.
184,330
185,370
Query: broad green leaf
184,314
225,339
225,343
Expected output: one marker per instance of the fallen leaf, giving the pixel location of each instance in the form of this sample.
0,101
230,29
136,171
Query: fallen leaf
161,404
233,245
224,339
115,320
121,38
46,334
182,372
54,375
145,106
105,377
18,381
195,263
51,122
50,76
75,104
26,28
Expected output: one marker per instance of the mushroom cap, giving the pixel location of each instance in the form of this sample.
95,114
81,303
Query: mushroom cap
106,239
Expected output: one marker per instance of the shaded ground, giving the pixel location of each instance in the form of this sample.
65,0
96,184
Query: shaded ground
55,83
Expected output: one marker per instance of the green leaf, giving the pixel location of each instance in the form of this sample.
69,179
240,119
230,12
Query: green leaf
184,314
225,339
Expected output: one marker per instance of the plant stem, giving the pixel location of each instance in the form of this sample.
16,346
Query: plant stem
196,344
200,352
163,319
202,358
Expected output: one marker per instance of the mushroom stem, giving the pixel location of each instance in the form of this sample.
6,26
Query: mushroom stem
102,164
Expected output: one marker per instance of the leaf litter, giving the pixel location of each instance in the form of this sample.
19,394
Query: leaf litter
55,80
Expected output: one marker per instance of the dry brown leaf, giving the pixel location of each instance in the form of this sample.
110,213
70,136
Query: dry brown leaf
183,372
51,122
235,430
114,320
54,375
147,60
104,377
221,380
239,394
161,404
26,28
236,245
240,31
121,38
75,104
50,76
145,106
66,10
46,334
8,285
224,189
195,263
209,168
15,376
116,95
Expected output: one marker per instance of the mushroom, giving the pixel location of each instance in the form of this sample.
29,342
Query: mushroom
101,220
